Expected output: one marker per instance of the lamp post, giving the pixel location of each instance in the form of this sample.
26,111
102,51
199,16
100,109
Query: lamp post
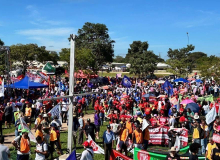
187,37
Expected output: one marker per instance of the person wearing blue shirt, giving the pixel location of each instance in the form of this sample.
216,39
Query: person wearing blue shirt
137,99
108,141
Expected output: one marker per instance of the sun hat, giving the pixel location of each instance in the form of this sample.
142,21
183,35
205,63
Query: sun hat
86,144
172,149
196,116
25,131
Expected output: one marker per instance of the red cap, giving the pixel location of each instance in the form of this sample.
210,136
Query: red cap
86,144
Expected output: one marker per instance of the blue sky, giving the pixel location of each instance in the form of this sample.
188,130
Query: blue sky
163,23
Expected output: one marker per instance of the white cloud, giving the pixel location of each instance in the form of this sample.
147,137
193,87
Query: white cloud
46,32
33,10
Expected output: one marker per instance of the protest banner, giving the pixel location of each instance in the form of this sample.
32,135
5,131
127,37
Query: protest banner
174,101
210,117
158,136
96,148
30,134
56,111
118,156
216,138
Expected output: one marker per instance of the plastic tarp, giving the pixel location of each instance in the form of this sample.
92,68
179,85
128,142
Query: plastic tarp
25,83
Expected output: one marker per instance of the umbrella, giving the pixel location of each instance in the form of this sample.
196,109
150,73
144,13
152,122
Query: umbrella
105,87
187,101
181,80
193,106
149,95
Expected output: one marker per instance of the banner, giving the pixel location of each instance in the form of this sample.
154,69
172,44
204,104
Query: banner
144,124
25,126
210,117
152,99
118,156
216,138
96,148
56,111
174,101
158,136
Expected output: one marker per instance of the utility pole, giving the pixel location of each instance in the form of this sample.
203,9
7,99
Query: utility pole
187,37
71,92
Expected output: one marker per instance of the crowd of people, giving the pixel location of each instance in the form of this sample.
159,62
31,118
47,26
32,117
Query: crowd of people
123,109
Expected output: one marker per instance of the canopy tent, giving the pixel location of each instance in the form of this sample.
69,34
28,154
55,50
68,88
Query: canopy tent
25,83
181,80
48,69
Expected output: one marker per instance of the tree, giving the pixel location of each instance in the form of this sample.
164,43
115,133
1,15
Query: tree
179,61
1,43
194,57
95,37
119,59
54,57
28,52
65,55
142,61
209,67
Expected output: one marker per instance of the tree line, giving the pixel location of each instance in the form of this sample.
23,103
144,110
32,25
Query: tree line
94,48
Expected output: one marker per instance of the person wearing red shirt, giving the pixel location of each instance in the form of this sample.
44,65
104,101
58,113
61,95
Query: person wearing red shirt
96,107
112,116
148,110
162,121
141,105
154,121
183,118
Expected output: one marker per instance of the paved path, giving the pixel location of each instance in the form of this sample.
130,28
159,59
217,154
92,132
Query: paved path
10,137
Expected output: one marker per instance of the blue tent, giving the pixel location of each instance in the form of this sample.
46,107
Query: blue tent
181,80
25,83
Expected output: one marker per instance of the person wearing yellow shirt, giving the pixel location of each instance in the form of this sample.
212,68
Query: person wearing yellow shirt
38,121
39,132
129,127
197,130
53,140
211,145
28,111
137,137
123,138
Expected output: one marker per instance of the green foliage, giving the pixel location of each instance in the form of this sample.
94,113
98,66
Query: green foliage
95,37
28,52
65,55
84,58
194,57
209,67
1,43
54,57
142,61
120,59
179,61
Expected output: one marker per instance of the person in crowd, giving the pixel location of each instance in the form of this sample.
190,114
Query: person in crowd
153,121
215,155
46,128
28,112
41,149
194,149
108,142
97,123
53,140
137,137
89,129
162,121
211,145
39,132
81,128
64,111
129,127
57,122
102,113
4,150
8,115
75,128
190,116
88,153
197,133
205,131
123,138
172,154
23,145
115,127
1,120
38,120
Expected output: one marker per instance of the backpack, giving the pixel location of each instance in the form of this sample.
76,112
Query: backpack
48,151
19,141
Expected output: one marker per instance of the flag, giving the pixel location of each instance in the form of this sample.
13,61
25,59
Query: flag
2,89
178,106
30,134
177,143
144,125
126,82
96,148
72,156
210,117
168,88
56,111
118,75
